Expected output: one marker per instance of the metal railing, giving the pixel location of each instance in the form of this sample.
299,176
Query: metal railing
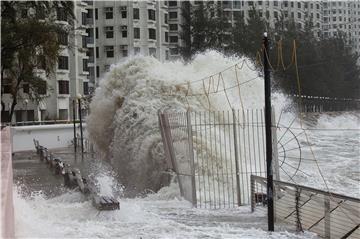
214,153
327,214
45,122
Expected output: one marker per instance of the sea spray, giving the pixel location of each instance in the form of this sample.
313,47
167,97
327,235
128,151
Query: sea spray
123,122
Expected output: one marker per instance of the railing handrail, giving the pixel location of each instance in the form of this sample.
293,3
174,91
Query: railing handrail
44,122
314,190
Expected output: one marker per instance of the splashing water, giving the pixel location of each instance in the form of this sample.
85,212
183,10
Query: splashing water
123,121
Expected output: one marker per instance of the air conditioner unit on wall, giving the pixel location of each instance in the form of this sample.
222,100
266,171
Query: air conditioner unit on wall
123,28
123,8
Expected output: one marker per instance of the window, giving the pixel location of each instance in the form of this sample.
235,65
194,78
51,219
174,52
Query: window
83,18
42,87
136,33
109,32
61,14
109,13
109,51
174,51
85,65
250,3
292,4
152,52
172,3
317,15
97,71
123,12
97,52
151,14
136,13
292,15
174,39
299,4
166,16
63,38
152,34
106,67
306,5
96,14
299,15
166,37
63,114
63,63
172,15
317,6
97,33
173,27
286,14
276,3
86,88
167,55
259,3
63,87
276,14
124,31
136,50
267,14
124,50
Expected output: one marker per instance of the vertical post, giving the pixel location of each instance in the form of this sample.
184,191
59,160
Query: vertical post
269,171
81,129
327,216
74,123
252,191
236,160
191,155
275,149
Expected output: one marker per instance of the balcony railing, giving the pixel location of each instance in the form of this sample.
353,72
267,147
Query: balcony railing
89,40
89,21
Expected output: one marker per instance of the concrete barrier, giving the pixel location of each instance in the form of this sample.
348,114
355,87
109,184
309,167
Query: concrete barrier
7,207
50,136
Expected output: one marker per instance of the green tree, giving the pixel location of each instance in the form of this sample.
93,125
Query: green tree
29,41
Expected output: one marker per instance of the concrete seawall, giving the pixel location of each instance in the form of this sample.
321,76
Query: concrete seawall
50,136
7,206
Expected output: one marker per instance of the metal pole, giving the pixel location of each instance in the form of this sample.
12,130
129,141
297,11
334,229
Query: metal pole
236,151
74,117
191,155
81,129
269,171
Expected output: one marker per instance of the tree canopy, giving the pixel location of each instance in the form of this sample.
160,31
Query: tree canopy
30,41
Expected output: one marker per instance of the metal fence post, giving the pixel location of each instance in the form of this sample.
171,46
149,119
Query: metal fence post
252,191
191,155
236,160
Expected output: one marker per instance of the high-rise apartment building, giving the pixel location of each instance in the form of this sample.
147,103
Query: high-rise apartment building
124,28
342,16
70,78
326,16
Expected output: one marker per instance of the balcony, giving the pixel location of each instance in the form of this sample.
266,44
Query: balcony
89,41
89,21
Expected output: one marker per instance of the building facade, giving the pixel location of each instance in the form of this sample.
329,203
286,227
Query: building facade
124,28
69,80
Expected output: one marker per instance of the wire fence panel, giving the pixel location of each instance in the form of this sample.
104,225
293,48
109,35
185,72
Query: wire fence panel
214,154
327,214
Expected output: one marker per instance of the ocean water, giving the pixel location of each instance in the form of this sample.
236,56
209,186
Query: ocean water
124,126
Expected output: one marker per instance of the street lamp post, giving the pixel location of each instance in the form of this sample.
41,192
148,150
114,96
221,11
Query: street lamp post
74,123
81,129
